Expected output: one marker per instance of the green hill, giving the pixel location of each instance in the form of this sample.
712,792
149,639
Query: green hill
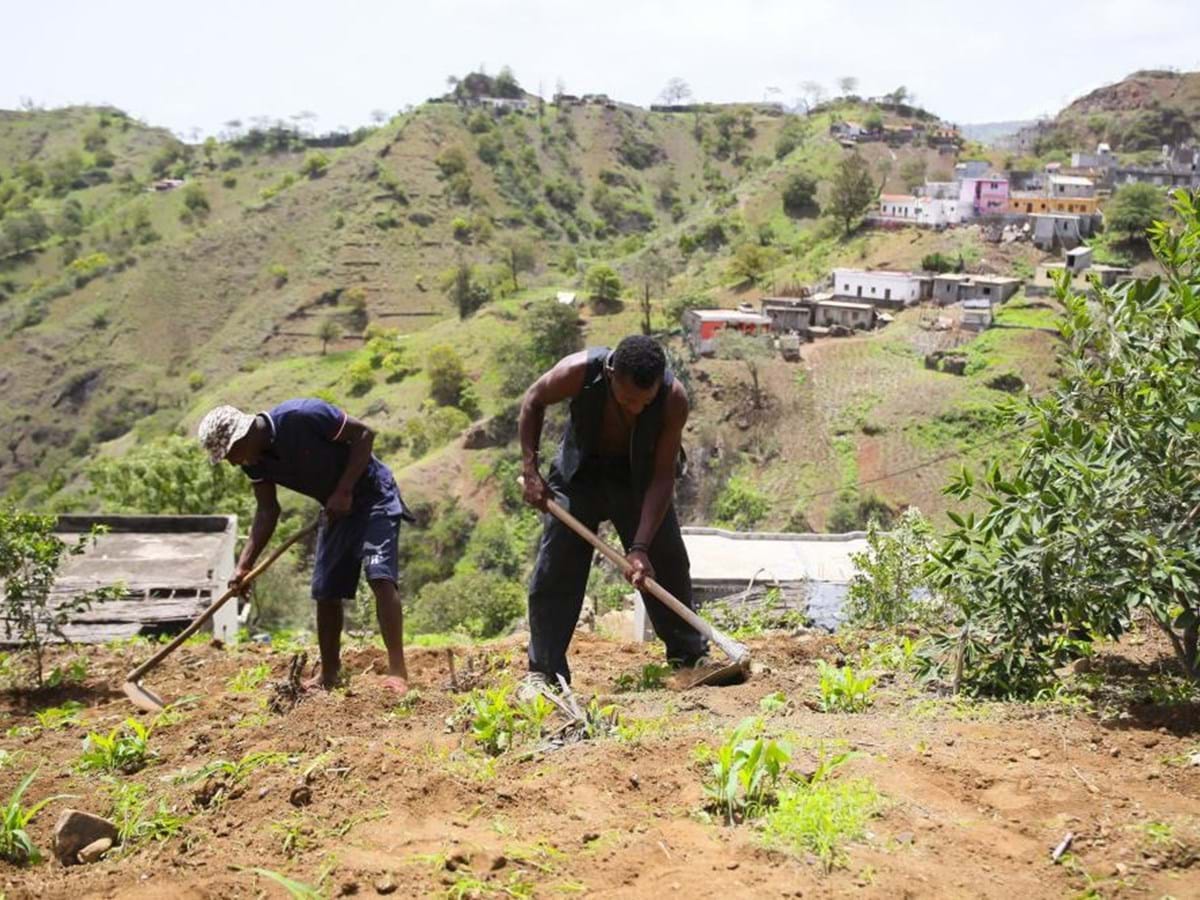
125,311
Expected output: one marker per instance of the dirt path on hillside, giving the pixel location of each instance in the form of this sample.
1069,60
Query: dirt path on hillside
976,794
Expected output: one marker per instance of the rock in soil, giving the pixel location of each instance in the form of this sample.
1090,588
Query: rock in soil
76,830
385,886
95,850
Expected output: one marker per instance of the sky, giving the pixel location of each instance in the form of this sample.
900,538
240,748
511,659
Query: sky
194,65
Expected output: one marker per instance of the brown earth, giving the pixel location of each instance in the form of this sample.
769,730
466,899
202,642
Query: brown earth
977,794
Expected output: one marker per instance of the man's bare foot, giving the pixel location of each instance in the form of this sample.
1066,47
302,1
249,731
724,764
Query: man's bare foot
321,681
396,683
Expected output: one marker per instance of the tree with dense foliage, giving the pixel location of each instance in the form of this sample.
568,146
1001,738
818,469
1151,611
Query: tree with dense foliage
1133,209
1097,518
751,263
852,191
799,194
327,331
549,331
447,376
602,283
912,172
465,288
652,271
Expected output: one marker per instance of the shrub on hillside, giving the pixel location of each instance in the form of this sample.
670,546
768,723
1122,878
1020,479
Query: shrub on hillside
315,165
740,505
800,195
479,604
447,377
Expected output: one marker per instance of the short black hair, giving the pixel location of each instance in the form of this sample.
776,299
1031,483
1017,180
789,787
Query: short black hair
640,358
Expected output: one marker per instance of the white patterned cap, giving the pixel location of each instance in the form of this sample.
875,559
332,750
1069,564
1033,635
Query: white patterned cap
221,428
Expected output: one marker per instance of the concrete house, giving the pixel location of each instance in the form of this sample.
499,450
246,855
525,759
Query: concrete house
949,287
831,313
986,195
1070,186
976,315
1103,158
971,168
1077,262
893,289
788,314
1052,230
994,289
928,212
701,326
1027,203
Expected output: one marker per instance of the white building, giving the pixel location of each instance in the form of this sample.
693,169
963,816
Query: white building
882,287
931,212
1103,158
1070,186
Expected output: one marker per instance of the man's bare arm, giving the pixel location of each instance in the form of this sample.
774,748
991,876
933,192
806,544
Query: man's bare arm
266,517
563,381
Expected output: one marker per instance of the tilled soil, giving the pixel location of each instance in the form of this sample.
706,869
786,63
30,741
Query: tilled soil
376,797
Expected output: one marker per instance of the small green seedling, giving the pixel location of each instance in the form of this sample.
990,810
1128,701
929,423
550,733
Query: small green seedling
56,717
775,703
15,844
744,772
842,690
651,677
247,680
124,749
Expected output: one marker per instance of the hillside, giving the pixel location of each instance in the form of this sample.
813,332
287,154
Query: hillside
1139,113
133,310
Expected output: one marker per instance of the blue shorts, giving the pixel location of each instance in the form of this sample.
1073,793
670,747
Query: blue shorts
367,539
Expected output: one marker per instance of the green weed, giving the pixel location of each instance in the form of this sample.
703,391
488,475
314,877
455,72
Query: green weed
841,690
247,680
498,724
744,772
235,772
75,672
15,844
295,834
296,890
56,717
125,749
651,677
821,816
136,821
777,702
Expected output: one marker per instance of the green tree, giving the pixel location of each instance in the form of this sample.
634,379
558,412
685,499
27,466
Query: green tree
327,331
751,263
1097,519
550,330
517,255
852,191
752,351
195,199
799,194
479,604
891,584
170,476
315,165
603,283
1133,209
30,556
465,289
447,377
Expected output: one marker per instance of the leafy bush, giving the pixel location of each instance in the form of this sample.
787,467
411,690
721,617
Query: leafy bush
744,772
677,306
30,556
563,194
359,377
751,263
447,377
168,476
841,690
195,198
315,165
479,604
16,846
851,512
799,195
1133,208
740,505
451,161
434,429
1096,518
125,749
246,680
940,262
891,586
85,268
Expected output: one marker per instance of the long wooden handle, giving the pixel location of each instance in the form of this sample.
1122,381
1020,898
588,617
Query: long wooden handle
221,601
739,653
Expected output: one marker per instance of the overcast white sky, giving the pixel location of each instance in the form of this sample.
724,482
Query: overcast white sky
200,64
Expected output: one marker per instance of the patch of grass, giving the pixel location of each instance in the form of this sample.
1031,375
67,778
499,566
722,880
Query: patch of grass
1028,314
772,704
295,834
651,677
842,690
55,717
238,771
15,844
137,821
125,749
822,816
249,679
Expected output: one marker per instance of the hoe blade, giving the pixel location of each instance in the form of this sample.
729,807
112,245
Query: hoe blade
142,697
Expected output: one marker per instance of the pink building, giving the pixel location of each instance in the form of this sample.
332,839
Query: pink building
986,195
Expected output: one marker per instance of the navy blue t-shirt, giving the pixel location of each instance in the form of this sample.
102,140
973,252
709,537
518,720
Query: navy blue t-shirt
307,455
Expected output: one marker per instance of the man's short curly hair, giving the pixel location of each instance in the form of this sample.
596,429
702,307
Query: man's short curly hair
641,359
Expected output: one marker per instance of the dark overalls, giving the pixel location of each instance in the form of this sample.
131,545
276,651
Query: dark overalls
594,489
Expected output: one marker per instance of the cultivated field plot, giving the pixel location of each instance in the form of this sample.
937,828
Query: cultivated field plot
452,793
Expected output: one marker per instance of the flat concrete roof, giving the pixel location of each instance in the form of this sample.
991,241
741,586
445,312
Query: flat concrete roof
736,556
729,315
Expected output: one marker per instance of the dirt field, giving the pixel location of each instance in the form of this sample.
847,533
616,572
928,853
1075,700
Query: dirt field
976,795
